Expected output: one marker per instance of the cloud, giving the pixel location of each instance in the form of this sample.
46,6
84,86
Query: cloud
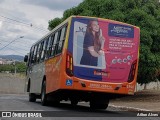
1,1
60,5
0,24
21,14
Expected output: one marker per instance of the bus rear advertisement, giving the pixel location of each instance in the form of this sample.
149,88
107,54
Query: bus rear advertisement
84,59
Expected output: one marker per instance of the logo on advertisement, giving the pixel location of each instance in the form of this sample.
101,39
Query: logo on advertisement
102,73
117,30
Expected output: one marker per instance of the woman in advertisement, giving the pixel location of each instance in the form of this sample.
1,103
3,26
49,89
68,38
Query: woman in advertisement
93,44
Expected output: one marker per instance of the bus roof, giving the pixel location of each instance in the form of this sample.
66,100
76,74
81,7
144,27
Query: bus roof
106,19
74,16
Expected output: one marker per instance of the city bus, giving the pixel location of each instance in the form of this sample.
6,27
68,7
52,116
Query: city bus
84,59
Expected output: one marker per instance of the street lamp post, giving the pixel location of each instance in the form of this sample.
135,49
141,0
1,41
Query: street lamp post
15,71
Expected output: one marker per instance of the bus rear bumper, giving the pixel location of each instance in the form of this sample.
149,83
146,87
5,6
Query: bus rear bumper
97,86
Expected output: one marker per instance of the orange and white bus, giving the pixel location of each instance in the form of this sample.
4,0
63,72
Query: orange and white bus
84,59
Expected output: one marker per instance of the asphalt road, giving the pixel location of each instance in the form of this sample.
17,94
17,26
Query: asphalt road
19,102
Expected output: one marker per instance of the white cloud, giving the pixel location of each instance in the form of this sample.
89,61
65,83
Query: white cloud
58,5
0,24
16,16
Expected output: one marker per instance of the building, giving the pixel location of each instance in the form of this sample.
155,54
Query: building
5,61
1,61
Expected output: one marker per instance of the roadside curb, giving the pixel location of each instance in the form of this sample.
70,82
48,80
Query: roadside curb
125,108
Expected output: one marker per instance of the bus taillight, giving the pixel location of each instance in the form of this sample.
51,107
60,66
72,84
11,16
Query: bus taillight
132,71
69,64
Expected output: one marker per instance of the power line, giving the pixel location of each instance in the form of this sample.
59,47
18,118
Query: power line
5,10
27,48
22,43
11,42
40,30
20,20
16,51
14,20
29,24
20,48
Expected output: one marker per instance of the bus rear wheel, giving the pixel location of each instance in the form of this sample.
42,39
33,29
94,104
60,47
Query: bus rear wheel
32,97
43,94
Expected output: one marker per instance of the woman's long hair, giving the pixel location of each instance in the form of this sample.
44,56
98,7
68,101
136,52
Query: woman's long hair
97,43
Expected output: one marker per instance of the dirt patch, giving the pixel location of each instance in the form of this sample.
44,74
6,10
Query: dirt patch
142,96
146,99
11,83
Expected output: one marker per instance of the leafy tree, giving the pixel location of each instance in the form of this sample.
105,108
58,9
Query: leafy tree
6,68
20,67
53,23
142,13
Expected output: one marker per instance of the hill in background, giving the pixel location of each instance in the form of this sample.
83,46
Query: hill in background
13,57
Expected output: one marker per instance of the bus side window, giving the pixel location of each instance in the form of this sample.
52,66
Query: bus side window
54,44
45,50
38,52
58,40
50,45
62,38
34,54
31,55
42,51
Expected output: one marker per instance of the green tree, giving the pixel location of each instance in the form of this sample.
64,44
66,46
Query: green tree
53,23
142,13
21,67
9,68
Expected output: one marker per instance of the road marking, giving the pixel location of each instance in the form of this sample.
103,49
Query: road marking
129,108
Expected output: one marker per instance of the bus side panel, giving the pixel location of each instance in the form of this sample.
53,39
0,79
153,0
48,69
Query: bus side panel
56,66
53,73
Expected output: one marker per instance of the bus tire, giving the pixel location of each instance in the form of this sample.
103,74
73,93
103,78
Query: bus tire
32,97
43,94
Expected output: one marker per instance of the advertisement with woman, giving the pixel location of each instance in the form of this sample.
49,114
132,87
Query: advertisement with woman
103,50
89,44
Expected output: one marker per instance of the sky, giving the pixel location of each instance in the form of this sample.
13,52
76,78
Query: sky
23,22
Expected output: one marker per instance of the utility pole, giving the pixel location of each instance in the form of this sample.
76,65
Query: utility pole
15,70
